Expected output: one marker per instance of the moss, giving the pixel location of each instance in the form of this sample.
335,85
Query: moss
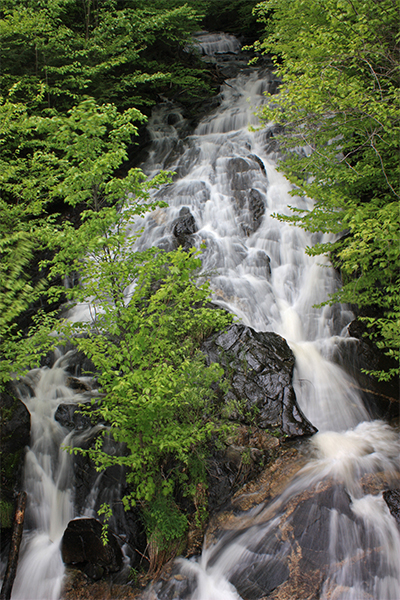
10,464
6,513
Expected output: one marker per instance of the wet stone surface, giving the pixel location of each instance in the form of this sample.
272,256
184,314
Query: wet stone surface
260,368
15,426
82,546
184,227
392,499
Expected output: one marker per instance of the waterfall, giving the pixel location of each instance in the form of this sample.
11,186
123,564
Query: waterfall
48,481
226,178
258,269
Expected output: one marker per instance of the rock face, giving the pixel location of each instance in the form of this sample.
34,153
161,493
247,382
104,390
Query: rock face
260,368
71,417
248,202
15,423
183,228
392,499
15,426
247,451
82,546
357,355
293,551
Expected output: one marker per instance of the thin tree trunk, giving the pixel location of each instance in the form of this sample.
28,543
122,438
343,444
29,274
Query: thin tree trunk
16,537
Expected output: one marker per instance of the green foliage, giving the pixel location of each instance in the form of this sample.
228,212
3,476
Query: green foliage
164,522
6,513
148,315
231,16
159,399
70,159
108,50
106,510
339,65
148,318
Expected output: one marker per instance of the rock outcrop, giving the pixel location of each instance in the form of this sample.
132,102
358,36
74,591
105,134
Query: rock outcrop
259,367
83,547
15,425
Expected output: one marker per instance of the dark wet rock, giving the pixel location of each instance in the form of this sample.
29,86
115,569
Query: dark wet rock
186,162
392,499
271,142
259,263
76,363
256,207
71,416
193,191
250,219
235,167
110,487
82,546
15,426
15,423
259,367
258,160
311,525
184,227
77,384
258,579
356,355
248,202
245,455
171,585
243,476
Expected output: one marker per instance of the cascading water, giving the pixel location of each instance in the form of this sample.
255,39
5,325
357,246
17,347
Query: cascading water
258,269
48,483
228,185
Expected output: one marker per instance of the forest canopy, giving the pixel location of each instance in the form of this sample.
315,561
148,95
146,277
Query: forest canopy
338,61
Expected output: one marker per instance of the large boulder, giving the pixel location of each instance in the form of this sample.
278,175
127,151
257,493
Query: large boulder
83,547
259,366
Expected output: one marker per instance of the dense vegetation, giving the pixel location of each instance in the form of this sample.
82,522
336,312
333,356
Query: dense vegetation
92,63
339,65
79,77
75,74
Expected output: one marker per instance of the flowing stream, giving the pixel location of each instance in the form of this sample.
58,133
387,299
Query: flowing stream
226,179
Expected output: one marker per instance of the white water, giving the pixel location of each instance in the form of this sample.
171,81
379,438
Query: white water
48,482
220,161
349,446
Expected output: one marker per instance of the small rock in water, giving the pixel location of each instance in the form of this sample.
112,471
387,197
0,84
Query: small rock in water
392,499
